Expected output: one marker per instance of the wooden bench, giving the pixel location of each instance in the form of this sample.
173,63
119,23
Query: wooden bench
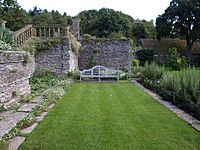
99,72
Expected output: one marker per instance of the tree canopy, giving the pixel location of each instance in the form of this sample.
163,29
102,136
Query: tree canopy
181,19
5,5
108,22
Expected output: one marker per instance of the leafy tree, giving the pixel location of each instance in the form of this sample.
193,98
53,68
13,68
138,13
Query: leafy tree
181,19
5,5
104,22
115,24
16,18
45,18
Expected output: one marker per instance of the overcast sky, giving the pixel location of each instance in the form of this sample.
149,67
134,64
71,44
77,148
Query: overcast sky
142,9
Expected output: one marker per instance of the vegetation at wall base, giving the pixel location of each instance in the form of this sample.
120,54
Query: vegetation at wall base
6,36
145,55
45,44
176,61
182,88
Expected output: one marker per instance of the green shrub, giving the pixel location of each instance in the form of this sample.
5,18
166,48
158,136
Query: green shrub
73,74
54,94
135,62
152,71
183,88
42,80
87,36
145,55
43,45
176,61
30,46
5,46
123,75
6,36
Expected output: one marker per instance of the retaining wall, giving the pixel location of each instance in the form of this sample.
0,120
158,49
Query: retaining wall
15,70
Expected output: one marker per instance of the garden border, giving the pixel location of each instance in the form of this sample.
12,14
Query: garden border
180,113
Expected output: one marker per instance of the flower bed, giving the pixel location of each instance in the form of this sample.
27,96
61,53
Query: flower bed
182,88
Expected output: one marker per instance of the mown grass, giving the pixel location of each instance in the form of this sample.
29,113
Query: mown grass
111,116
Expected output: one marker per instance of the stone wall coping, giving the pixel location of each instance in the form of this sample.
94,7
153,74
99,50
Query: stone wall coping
104,39
14,52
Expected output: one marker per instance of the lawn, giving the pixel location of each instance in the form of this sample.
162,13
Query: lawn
111,116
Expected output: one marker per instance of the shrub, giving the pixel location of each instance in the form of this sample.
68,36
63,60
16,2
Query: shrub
135,62
183,88
6,36
54,94
116,35
123,75
145,55
43,45
87,36
176,61
30,46
152,71
42,80
73,74
4,46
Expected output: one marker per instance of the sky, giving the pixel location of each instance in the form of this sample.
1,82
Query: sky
138,9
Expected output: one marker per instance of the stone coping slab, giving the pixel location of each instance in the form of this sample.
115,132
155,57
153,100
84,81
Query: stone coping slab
37,100
10,121
51,106
41,117
180,113
15,143
27,107
29,129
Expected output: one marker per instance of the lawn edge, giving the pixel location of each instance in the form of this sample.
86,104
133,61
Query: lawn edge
193,122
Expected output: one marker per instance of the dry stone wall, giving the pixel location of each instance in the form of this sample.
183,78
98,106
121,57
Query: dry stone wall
59,59
15,71
114,54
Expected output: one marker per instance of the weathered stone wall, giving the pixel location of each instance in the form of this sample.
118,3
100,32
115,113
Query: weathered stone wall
114,54
59,59
15,70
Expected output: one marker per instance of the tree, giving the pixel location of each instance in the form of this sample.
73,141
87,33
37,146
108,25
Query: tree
181,19
16,18
105,22
45,18
5,4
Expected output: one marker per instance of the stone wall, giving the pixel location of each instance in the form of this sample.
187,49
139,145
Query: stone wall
15,70
59,59
114,54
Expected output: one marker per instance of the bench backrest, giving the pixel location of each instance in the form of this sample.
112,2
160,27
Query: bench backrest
100,71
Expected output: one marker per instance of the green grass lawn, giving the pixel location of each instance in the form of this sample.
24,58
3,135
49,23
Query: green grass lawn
111,116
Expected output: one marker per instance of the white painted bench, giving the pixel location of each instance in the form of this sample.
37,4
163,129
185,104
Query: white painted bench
99,72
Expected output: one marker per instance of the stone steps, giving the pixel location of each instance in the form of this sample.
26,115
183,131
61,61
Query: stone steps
10,119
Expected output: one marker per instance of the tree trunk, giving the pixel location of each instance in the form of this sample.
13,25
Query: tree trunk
189,51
